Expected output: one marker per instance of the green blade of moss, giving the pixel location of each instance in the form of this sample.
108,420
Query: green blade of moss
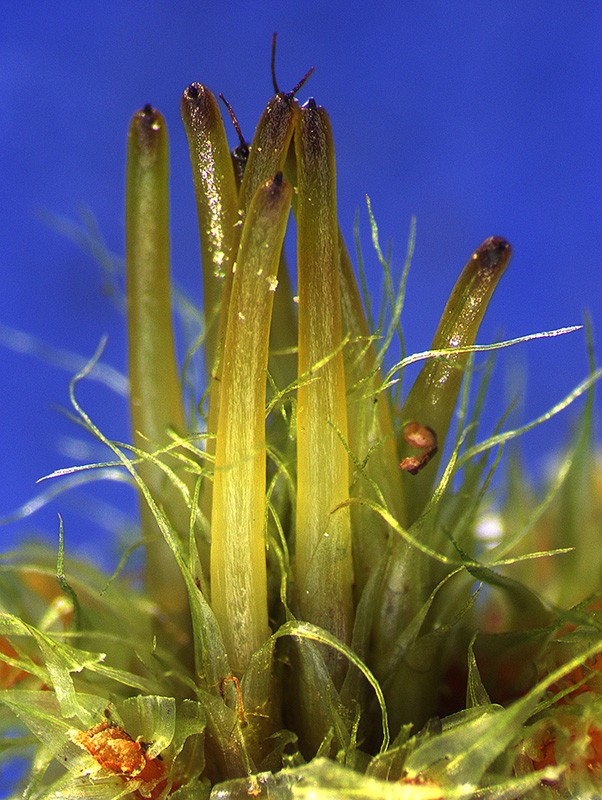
320,704
155,395
323,530
238,559
216,197
433,396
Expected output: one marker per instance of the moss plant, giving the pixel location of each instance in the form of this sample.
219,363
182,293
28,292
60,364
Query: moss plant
320,613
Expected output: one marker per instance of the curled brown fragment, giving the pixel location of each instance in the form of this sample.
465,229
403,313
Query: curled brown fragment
422,438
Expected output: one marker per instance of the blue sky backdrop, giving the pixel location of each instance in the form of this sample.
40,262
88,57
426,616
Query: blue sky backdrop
479,117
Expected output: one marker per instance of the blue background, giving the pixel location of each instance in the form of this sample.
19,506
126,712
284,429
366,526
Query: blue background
480,118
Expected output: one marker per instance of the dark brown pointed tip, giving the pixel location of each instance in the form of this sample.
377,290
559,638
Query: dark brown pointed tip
311,103
493,253
147,131
194,90
194,94
147,119
275,186
198,106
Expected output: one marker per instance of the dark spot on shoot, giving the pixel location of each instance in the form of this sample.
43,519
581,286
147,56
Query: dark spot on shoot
278,179
148,110
192,91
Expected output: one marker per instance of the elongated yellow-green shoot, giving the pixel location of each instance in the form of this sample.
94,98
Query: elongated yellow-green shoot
426,416
155,393
238,548
267,156
270,144
432,399
323,530
216,197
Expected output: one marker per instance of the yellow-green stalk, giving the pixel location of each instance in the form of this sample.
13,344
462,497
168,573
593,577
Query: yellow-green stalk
432,399
426,415
270,144
267,156
216,197
238,547
323,529
155,392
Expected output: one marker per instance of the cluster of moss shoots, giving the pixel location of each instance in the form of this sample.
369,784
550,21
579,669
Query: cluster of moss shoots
320,613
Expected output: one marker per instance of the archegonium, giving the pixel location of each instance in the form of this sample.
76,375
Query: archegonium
319,614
